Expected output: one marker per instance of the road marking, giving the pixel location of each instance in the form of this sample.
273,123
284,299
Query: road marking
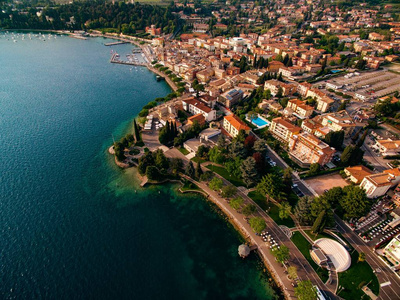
385,283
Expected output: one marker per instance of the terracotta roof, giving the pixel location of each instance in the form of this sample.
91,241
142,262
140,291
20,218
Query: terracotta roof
381,179
359,172
389,144
394,171
289,126
237,123
199,117
199,104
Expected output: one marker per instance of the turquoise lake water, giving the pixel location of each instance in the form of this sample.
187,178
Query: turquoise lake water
73,225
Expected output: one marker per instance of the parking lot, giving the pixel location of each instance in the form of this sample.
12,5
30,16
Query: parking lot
325,182
368,85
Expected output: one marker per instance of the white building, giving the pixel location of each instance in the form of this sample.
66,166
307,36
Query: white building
195,107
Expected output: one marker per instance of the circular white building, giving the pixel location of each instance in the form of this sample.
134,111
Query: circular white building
334,251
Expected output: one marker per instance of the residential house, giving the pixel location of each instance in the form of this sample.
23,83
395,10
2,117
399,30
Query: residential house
231,97
376,185
357,173
388,147
195,107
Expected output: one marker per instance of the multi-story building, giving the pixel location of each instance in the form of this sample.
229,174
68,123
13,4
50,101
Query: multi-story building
299,108
376,185
274,85
231,97
392,252
195,107
283,130
339,121
306,149
232,125
388,147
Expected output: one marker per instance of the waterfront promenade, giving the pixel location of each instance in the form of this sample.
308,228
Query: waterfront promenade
304,269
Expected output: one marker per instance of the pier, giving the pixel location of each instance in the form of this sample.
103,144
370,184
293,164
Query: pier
137,50
116,43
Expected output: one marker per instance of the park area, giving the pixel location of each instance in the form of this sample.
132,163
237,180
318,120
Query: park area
325,182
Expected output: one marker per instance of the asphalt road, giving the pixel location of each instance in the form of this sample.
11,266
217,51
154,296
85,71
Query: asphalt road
388,292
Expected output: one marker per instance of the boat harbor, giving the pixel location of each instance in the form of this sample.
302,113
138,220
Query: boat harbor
132,60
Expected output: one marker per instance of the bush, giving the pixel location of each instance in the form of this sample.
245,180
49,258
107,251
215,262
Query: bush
144,112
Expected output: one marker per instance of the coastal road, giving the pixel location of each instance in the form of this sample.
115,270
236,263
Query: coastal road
384,274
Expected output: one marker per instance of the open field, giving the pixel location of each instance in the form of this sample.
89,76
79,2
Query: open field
224,173
326,182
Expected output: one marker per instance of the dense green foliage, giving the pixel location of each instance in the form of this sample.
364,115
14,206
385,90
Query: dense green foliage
257,224
120,17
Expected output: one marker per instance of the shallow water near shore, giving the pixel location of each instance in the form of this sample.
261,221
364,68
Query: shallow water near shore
75,226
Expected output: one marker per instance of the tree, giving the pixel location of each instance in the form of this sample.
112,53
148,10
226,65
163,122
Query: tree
319,223
362,139
260,146
287,177
202,151
215,155
335,139
176,165
303,211
199,170
161,161
282,254
236,203
237,149
221,143
152,173
285,210
271,186
228,191
216,184
333,195
342,106
145,161
233,167
314,169
352,155
249,142
136,131
248,209
189,170
249,171
354,203
257,224
292,272
361,257
305,291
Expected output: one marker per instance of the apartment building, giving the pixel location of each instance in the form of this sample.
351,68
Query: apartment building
339,121
306,149
231,97
299,108
376,185
283,130
273,85
232,124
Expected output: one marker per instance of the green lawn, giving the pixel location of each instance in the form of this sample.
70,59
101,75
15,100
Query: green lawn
319,235
198,159
183,151
304,246
358,275
273,210
224,173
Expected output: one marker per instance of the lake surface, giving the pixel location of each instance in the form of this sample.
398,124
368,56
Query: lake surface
73,225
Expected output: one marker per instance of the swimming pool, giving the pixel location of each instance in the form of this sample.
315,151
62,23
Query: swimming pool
260,122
